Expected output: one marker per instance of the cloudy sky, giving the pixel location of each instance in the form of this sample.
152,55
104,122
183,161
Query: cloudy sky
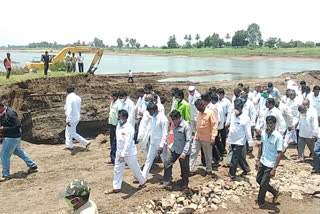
152,22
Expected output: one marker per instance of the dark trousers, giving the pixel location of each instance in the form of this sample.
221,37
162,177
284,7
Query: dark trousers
136,130
222,136
216,154
46,68
184,166
237,158
263,179
80,65
113,142
8,72
130,80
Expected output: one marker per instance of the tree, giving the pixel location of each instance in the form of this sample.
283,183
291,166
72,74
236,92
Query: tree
133,42
98,43
172,43
271,42
216,42
188,39
197,37
240,39
254,35
138,45
127,41
207,42
227,37
119,43
309,44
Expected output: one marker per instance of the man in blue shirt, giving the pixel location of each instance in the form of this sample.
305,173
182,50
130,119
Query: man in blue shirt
268,159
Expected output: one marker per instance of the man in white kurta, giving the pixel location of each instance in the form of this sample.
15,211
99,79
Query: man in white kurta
72,111
158,137
126,153
193,96
127,104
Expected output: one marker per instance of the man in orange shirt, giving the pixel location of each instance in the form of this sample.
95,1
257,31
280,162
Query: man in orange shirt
7,65
207,130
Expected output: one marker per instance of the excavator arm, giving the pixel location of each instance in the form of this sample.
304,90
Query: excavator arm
59,58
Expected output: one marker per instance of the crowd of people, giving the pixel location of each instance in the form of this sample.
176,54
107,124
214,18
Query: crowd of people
210,123
205,123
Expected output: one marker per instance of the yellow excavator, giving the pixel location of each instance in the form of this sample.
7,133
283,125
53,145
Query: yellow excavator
59,58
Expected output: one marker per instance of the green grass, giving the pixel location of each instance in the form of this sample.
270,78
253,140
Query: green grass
221,52
18,77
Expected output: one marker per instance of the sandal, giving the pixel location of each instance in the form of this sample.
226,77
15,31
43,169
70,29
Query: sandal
112,191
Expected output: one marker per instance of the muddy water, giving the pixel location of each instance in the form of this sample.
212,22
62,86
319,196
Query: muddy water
236,69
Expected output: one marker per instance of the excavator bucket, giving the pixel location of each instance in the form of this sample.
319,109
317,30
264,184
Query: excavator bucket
95,62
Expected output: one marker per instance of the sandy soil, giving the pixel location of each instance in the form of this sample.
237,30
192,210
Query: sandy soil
40,106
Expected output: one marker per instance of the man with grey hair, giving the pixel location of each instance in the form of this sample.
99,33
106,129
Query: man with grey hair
308,129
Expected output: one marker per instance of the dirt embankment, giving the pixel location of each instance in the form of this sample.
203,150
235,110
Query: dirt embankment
40,102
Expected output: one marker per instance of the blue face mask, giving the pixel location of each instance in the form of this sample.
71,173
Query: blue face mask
120,121
154,115
146,103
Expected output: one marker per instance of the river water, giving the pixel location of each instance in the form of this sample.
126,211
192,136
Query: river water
234,69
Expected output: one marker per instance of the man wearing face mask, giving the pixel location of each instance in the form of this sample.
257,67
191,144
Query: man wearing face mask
127,104
182,106
113,120
126,153
193,96
225,104
77,195
271,110
267,161
207,130
314,99
144,127
155,99
308,129
180,149
139,110
274,92
236,95
158,137
239,133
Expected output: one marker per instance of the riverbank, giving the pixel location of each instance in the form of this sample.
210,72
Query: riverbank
290,54
40,105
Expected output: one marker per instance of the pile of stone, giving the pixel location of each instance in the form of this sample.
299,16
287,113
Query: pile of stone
291,178
204,198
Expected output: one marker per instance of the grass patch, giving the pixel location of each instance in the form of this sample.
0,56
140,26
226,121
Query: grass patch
222,52
17,76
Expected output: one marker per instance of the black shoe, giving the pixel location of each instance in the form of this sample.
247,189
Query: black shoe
32,169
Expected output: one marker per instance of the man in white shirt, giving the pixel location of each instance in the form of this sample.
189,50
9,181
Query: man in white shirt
130,79
72,111
271,110
314,99
225,104
275,93
239,133
155,99
292,84
140,108
80,59
308,130
193,96
113,121
77,195
158,138
127,104
126,153
293,103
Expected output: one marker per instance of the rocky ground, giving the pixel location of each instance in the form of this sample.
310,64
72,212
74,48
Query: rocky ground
40,105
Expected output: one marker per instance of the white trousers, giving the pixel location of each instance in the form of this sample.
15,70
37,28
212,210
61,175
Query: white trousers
193,124
133,164
71,132
289,135
152,153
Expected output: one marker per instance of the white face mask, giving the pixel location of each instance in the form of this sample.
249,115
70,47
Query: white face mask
121,100
236,111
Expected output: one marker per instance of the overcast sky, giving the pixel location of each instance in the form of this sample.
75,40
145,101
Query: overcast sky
152,22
